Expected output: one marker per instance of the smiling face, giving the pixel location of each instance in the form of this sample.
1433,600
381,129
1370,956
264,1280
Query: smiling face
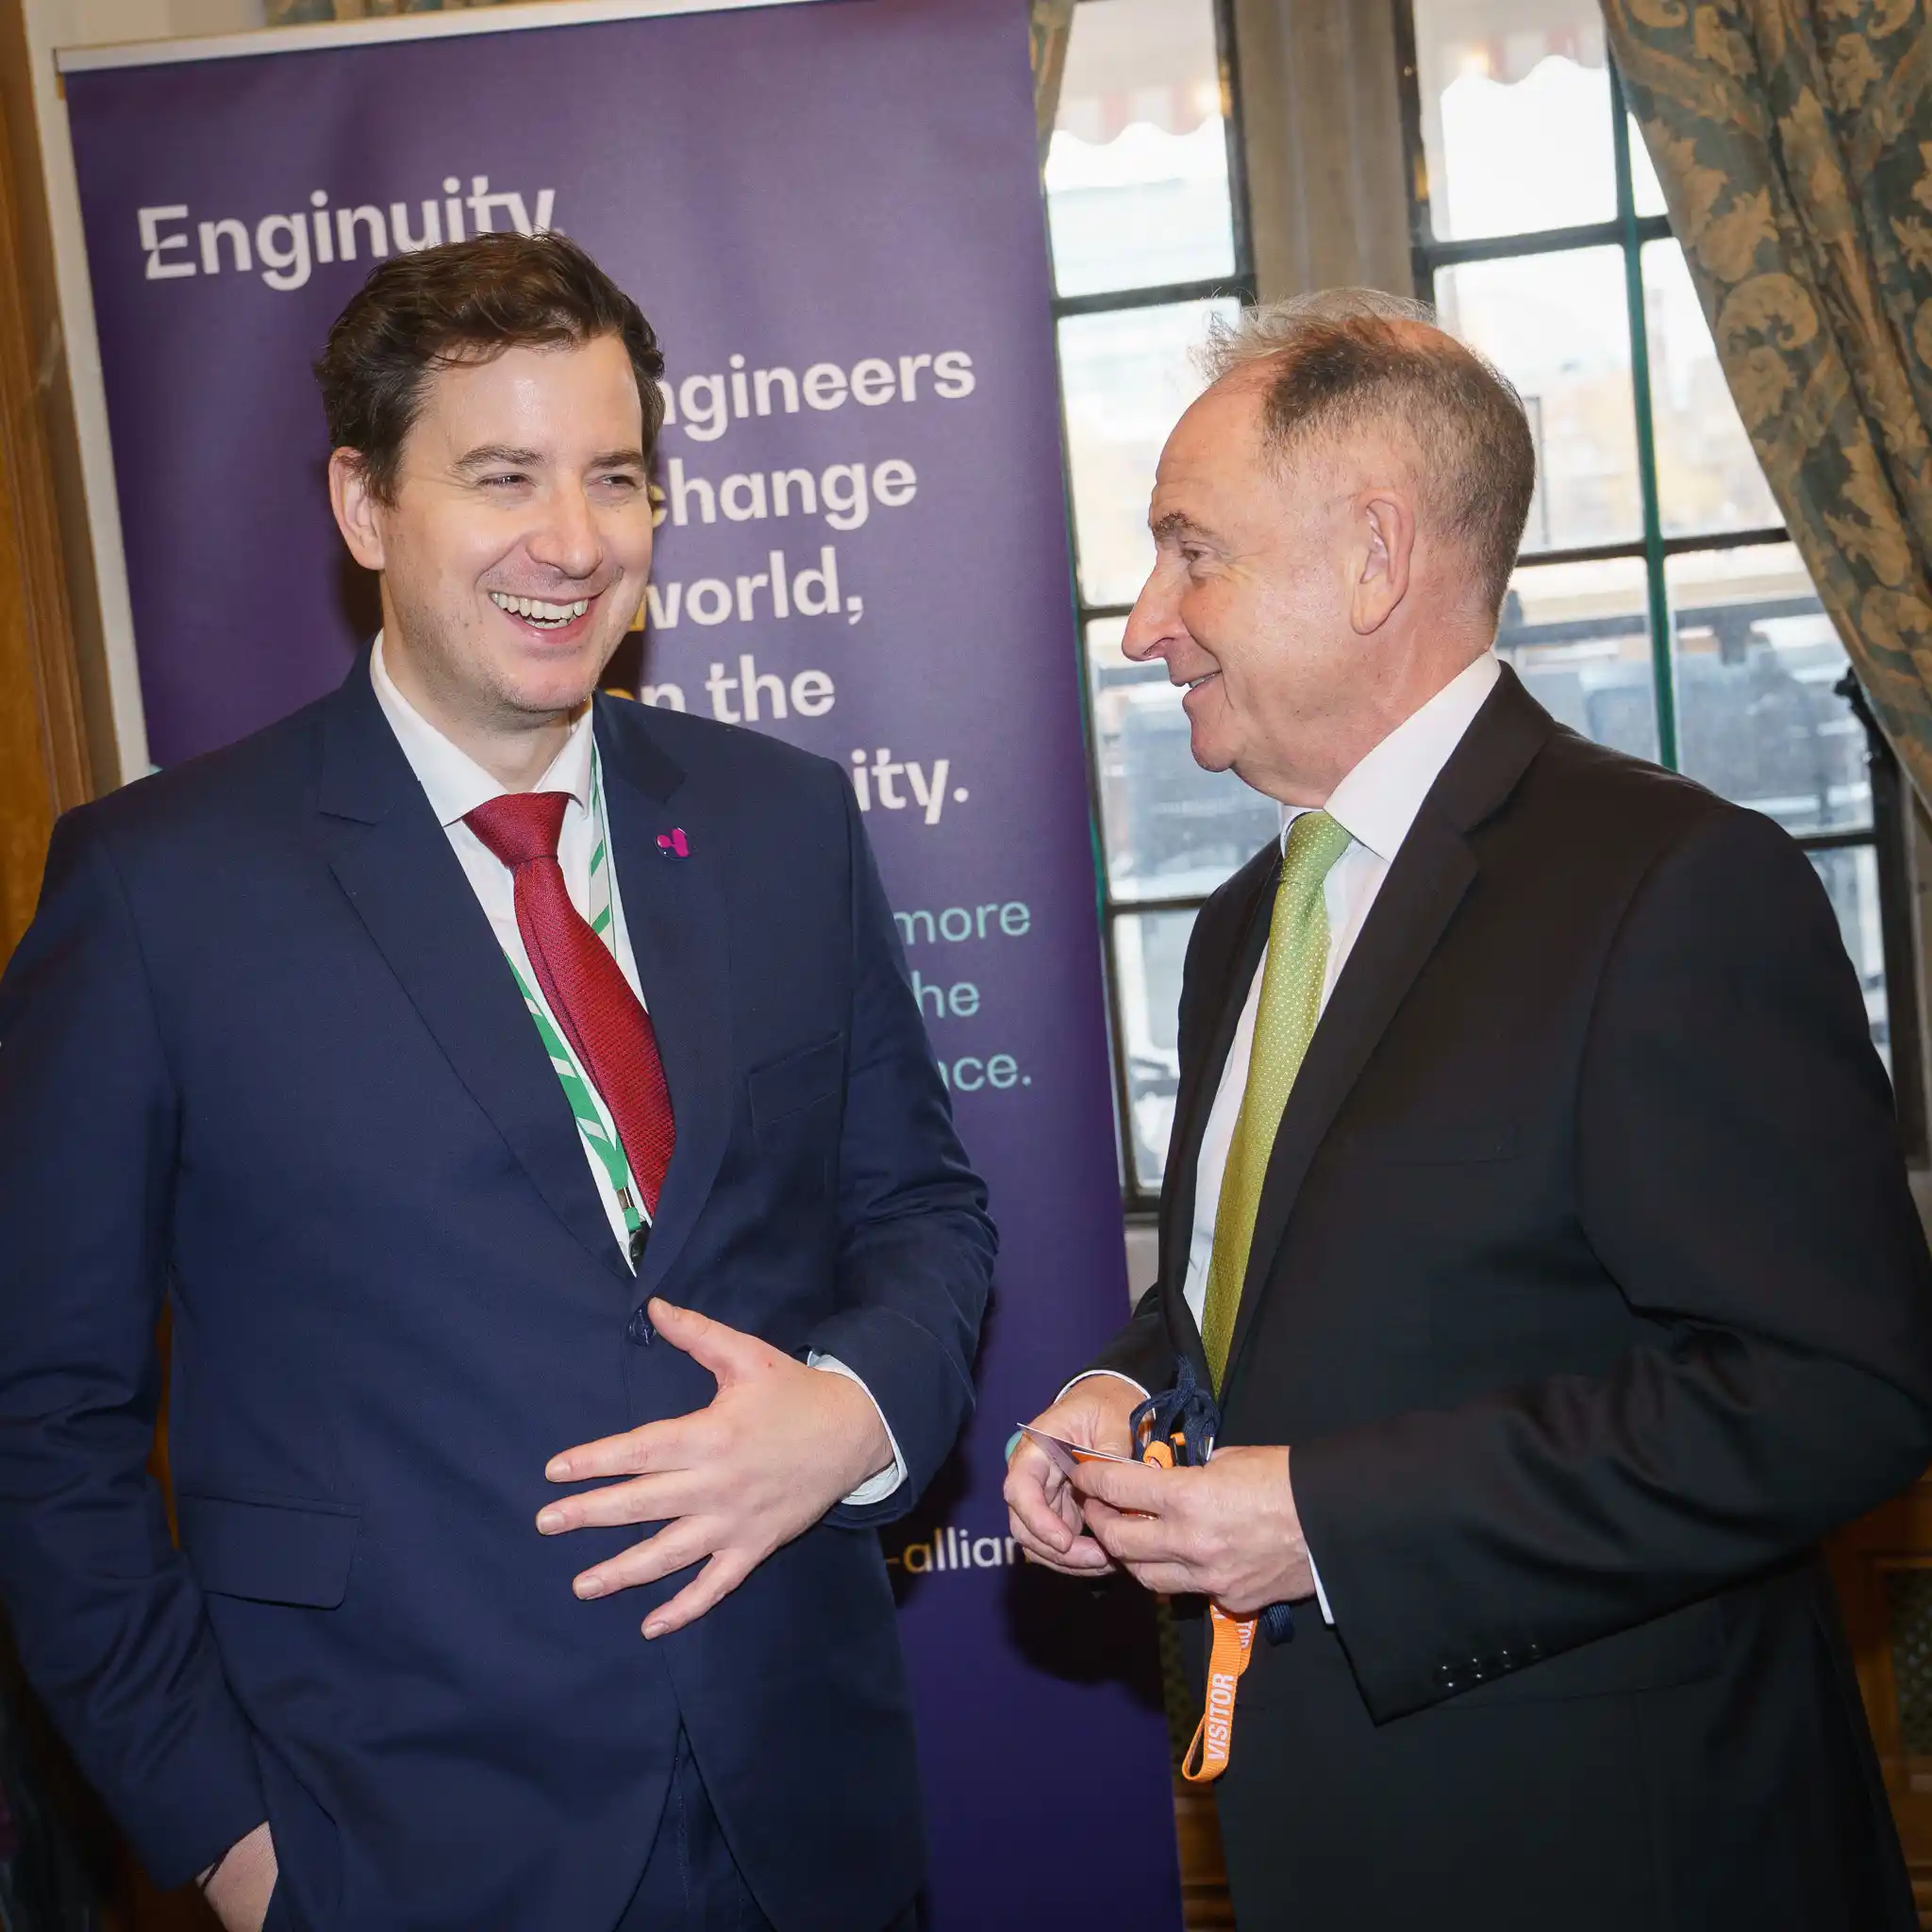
1273,593
517,540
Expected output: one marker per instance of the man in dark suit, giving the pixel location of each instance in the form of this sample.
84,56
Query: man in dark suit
1533,1209
510,1091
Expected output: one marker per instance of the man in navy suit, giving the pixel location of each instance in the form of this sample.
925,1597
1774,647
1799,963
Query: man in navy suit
518,1099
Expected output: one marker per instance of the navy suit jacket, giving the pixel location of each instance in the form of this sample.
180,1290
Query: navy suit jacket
263,1060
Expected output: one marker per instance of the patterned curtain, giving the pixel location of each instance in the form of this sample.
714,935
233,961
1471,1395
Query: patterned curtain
1793,139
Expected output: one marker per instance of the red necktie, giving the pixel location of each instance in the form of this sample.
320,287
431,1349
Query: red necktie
604,1021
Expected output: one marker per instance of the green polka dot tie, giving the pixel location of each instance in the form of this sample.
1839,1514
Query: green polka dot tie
1284,1024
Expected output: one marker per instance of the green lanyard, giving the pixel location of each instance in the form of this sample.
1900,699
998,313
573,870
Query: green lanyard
586,1109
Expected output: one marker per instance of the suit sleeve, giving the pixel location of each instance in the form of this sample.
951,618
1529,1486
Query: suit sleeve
108,1620
1740,1180
916,1251
1140,1351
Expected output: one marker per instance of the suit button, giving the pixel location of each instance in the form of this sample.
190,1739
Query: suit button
639,1328
1445,1675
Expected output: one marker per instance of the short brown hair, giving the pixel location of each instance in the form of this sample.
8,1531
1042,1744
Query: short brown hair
1346,358
467,301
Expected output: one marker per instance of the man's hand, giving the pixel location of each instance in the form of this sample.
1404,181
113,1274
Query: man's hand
1044,1511
238,1891
1230,1531
778,1445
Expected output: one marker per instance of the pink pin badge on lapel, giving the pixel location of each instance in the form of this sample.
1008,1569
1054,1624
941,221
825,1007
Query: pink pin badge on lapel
672,845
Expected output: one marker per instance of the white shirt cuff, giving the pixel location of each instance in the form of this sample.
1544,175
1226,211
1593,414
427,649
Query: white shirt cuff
874,1489
1320,1594
1088,1374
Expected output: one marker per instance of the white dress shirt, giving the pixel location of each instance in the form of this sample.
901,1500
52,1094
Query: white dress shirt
457,785
1375,805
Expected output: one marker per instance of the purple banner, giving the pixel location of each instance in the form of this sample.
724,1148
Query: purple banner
831,213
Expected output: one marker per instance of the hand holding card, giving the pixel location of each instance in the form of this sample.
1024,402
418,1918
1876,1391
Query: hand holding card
1044,1510
1067,1457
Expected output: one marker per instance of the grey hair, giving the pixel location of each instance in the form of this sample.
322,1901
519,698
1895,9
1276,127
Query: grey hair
1343,361
1277,328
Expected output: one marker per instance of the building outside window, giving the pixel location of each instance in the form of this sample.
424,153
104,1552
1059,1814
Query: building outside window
1657,607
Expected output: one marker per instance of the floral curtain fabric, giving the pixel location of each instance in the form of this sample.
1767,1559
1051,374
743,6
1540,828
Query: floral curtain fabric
1793,140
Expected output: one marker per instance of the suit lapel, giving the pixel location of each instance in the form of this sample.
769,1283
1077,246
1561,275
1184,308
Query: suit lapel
673,909
1424,888
1432,872
393,861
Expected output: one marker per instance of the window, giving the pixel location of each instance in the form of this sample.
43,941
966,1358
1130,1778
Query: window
1657,606
1148,223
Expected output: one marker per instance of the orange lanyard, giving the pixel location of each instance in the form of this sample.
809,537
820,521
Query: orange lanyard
1234,1643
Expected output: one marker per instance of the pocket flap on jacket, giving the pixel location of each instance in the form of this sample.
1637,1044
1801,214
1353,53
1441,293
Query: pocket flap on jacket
784,1086
275,1553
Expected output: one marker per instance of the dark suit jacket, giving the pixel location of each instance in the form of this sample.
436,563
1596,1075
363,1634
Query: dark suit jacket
1587,1289
263,1060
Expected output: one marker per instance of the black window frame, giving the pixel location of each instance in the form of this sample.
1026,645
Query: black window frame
1139,1202
1887,836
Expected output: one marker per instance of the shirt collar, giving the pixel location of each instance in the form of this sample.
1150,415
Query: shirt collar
456,783
1378,800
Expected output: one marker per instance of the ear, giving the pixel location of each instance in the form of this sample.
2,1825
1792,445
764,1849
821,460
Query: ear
357,513
1385,529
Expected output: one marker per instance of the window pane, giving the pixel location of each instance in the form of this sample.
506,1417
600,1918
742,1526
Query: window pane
1516,115
1136,174
1758,719
1706,477
1172,830
1125,378
1557,326
1148,952
1578,635
1851,877
1646,190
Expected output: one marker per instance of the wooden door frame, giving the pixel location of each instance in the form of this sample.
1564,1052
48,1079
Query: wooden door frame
45,765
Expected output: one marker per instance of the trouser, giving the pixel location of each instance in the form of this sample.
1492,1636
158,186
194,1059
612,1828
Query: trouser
691,1883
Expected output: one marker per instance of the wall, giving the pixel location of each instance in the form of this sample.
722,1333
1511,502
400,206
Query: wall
1320,106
